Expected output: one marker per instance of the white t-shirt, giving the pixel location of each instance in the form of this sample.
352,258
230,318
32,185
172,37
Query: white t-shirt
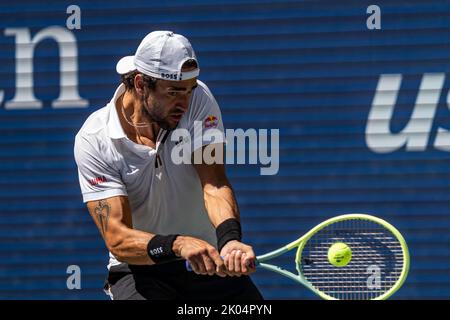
165,198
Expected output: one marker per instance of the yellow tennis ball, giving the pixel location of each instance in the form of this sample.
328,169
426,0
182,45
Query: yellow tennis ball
339,254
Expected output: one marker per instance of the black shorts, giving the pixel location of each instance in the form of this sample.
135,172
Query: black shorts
171,281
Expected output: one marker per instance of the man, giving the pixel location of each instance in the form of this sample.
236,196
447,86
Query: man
155,214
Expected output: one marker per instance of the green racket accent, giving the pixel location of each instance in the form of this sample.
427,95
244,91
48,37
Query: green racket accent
378,268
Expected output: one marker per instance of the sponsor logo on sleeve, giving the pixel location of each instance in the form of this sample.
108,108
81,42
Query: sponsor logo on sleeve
211,122
97,181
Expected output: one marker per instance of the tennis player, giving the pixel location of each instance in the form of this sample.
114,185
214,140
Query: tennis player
152,213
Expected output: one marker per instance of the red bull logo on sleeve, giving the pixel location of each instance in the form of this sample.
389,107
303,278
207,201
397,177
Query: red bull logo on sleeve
211,122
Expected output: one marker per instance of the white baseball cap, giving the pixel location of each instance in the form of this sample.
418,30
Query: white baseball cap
161,55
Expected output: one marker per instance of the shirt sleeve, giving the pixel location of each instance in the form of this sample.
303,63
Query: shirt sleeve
98,179
205,123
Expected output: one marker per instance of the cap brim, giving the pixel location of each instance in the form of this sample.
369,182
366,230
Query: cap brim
125,65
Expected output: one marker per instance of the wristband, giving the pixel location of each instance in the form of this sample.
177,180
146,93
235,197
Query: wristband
159,248
228,230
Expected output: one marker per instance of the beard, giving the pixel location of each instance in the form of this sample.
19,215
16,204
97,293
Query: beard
156,114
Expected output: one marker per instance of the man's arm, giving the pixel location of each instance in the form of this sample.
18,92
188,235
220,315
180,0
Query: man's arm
221,205
114,221
218,194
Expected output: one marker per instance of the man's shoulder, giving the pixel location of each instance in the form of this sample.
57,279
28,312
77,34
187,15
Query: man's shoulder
93,142
202,100
93,133
202,90
95,123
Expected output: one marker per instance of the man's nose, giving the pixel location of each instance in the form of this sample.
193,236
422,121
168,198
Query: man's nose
183,103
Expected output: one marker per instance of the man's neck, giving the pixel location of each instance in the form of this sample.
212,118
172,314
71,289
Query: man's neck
134,125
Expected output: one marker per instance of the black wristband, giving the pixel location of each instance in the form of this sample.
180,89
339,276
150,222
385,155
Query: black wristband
159,248
228,230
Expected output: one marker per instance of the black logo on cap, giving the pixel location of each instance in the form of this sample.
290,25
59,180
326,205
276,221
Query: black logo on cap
170,76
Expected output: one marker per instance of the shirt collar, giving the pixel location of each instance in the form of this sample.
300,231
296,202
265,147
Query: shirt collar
115,130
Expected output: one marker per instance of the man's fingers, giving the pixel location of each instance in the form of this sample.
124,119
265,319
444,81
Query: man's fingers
202,265
209,265
248,263
226,262
230,266
234,263
249,267
195,266
237,262
221,270
218,261
239,258
244,263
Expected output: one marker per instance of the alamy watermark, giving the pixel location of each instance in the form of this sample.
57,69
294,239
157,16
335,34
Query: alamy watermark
374,279
74,280
373,22
241,147
74,20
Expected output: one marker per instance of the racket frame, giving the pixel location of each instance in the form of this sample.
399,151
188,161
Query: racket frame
301,242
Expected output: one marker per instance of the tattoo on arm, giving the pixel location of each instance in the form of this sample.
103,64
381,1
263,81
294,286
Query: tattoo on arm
102,211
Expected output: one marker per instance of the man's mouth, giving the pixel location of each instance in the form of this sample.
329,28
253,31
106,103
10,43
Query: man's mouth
176,116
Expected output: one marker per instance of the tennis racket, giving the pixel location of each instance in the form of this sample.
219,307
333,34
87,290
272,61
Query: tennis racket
378,266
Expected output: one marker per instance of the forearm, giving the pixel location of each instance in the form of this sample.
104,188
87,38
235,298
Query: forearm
220,203
222,210
113,219
129,245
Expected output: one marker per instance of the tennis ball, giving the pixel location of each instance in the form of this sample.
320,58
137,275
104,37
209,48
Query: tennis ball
339,254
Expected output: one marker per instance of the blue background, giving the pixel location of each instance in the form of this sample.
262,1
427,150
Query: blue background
308,68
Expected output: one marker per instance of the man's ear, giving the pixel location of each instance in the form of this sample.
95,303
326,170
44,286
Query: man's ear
139,84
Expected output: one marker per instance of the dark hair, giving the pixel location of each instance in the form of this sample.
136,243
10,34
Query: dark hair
128,80
191,63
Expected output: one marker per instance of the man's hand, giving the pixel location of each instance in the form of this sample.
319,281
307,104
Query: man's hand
239,258
203,257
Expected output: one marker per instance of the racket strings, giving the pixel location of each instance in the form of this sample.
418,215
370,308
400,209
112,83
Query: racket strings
375,267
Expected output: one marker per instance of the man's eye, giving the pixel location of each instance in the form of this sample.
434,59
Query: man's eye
173,93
